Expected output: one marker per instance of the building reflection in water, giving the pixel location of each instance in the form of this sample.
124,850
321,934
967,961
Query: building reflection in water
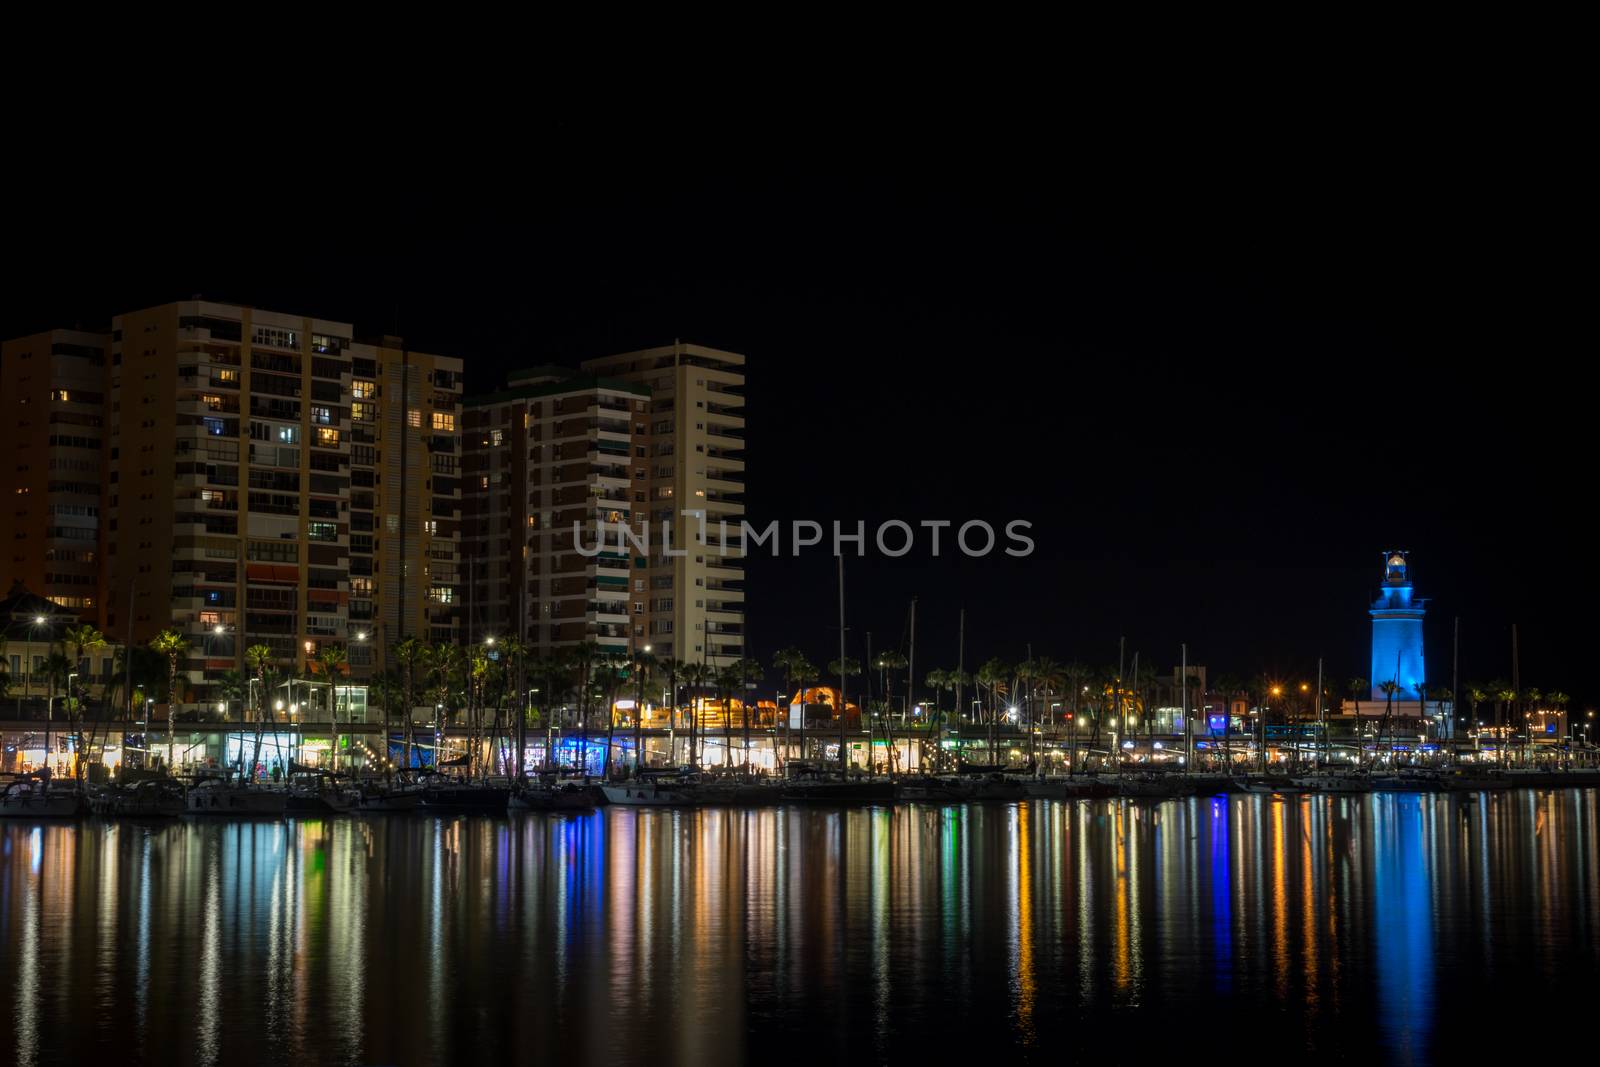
1339,924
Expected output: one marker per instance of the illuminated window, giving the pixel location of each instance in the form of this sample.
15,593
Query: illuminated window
497,437
321,416
288,435
223,375
414,418
59,394
431,527
327,437
445,421
362,411
322,531
212,401
363,390
442,594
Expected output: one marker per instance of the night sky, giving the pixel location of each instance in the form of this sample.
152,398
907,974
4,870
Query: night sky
1217,406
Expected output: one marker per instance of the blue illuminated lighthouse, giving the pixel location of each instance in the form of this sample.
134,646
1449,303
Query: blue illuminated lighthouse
1397,633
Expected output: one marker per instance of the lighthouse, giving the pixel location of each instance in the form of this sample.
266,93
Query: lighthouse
1397,633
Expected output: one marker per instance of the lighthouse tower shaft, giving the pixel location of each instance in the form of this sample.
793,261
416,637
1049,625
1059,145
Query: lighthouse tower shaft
1397,633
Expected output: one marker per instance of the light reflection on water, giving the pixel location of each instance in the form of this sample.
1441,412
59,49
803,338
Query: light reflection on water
1211,927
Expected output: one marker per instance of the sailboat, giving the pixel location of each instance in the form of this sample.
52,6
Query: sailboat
34,796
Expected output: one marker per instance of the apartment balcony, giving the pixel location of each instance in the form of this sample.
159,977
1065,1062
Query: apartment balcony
724,416
608,613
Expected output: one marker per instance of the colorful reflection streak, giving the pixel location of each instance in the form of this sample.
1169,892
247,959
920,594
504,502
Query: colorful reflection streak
1387,927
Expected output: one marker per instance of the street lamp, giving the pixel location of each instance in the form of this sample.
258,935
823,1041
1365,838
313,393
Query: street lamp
27,678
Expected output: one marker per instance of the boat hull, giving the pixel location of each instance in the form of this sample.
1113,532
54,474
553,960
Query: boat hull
59,806
236,803
651,795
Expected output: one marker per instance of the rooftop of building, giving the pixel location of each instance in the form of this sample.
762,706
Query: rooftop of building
524,388
666,356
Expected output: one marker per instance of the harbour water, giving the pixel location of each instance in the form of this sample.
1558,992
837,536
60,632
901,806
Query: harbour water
1387,927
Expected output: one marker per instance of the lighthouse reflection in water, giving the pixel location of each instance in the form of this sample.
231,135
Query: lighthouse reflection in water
1401,926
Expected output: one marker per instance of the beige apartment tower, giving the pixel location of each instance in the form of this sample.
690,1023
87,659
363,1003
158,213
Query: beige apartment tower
640,438
262,477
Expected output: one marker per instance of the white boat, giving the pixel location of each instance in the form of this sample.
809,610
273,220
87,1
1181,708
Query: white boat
320,796
646,794
557,796
152,798
672,789
33,797
378,798
214,796
1271,785
1335,783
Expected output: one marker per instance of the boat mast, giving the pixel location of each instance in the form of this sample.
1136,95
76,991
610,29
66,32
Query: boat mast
1321,724
844,767
1183,709
961,651
1516,688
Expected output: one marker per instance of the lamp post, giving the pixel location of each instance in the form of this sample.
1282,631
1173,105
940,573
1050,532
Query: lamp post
638,712
27,677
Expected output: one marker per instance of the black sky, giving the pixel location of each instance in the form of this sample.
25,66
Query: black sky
1216,400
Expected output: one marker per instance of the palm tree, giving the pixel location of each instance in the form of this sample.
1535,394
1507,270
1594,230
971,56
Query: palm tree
444,663
56,669
172,644
332,659
480,672
993,676
673,669
730,679
891,661
1390,688
1559,701
695,675
411,655
1531,697
516,661
259,659
231,686
580,660
1048,675
80,641
750,672
1505,699
797,671
644,668
849,667
1477,693
611,672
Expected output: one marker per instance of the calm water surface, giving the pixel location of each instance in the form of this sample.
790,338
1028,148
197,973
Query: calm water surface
1395,928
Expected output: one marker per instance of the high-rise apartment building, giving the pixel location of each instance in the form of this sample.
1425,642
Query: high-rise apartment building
262,479
694,444
553,453
632,442
53,386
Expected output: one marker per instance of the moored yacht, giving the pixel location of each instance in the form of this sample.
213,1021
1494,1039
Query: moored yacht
221,796
36,797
